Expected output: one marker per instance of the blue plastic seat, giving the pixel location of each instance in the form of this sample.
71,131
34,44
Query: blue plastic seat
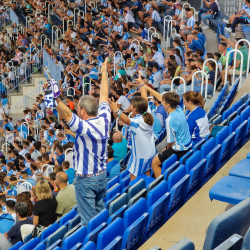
134,199
126,158
184,244
113,181
244,98
73,222
241,169
236,105
231,117
241,108
207,147
118,203
144,177
94,234
218,120
170,170
116,244
125,181
55,245
48,231
57,235
136,188
107,235
117,188
98,220
183,159
167,163
123,174
234,124
230,189
240,136
40,247
157,213
107,203
226,150
31,244
64,219
227,113
156,182
222,135
89,246
71,231
193,161
245,116
177,185
77,237
196,177
198,145
118,214
17,246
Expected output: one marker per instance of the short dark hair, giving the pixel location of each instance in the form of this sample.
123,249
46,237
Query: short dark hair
22,209
110,152
172,99
11,204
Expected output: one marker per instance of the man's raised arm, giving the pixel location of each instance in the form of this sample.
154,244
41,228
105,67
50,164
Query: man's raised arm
104,90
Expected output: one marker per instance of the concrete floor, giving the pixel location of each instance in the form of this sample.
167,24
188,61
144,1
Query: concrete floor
193,219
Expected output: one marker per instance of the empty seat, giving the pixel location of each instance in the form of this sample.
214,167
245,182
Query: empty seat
193,161
57,235
98,220
112,182
244,98
71,231
218,120
144,177
245,116
184,244
169,162
183,159
236,105
222,135
48,231
227,113
31,244
118,214
153,184
117,188
110,233
240,136
115,244
73,222
207,147
125,181
134,199
64,219
17,246
89,246
118,203
241,169
231,118
94,234
198,145
170,170
123,174
107,203
136,188
40,247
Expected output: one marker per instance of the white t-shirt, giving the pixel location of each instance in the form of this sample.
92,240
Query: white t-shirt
1,113
27,117
129,18
124,102
69,158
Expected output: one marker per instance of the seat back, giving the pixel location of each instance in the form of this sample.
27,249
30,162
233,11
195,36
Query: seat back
71,231
234,242
126,158
217,120
245,114
212,163
196,176
73,222
115,244
40,247
48,231
235,220
231,117
198,145
226,149
125,181
118,214
133,235
193,161
117,188
240,136
157,214
57,235
98,220
107,235
207,147
156,193
141,194
246,242
134,212
244,98
77,237
123,174
184,244
156,182
136,188
31,244
118,203
17,245
227,113
236,105
64,219
89,246
241,108
222,135
112,182
167,163
170,170
183,159
177,175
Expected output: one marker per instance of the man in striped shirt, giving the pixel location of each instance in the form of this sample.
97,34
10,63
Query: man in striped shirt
91,127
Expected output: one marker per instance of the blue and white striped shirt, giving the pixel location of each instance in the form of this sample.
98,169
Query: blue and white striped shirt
156,16
90,148
190,22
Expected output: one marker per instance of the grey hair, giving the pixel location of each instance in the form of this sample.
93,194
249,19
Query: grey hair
22,209
90,104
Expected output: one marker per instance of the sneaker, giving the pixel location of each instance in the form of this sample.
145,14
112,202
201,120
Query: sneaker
228,25
220,88
228,29
226,21
178,35
232,34
205,27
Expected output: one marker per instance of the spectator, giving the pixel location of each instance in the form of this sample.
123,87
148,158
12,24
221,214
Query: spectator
6,222
69,171
119,146
10,206
3,203
52,181
113,166
66,198
25,197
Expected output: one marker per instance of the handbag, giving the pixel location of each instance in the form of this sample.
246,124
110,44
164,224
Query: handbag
37,230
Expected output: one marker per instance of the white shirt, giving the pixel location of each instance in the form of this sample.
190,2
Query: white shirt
1,113
69,158
11,75
158,57
129,18
27,117
124,102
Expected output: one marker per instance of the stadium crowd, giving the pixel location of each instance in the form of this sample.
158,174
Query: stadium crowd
78,150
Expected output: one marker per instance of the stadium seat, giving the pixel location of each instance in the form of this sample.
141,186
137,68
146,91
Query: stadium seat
107,203
222,135
233,242
115,244
230,189
55,245
147,179
193,161
17,246
71,231
118,214
153,184
218,120
117,188
98,220
183,159
167,163
73,222
244,98
207,147
245,116
31,244
246,241
57,235
107,235
134,199
236,105
234,124
236,220
227,113
157,213
64,219
77,237
40,247
231,118
241,108
136,188
196,178
123,174
184,244
177,185
118,203
170,170
113,181
89,246
240,136
226,149
94,234
198,145
126,158
48,231
241,169
125,181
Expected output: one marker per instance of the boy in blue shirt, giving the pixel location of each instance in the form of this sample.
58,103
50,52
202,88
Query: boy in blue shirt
69,171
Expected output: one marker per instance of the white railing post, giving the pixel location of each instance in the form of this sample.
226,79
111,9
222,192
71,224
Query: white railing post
172,83
68,91
75,15
117,52
151,28
67,150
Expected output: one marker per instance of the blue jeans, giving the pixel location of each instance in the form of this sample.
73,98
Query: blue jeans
210,89
89,196
204,18
201,11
